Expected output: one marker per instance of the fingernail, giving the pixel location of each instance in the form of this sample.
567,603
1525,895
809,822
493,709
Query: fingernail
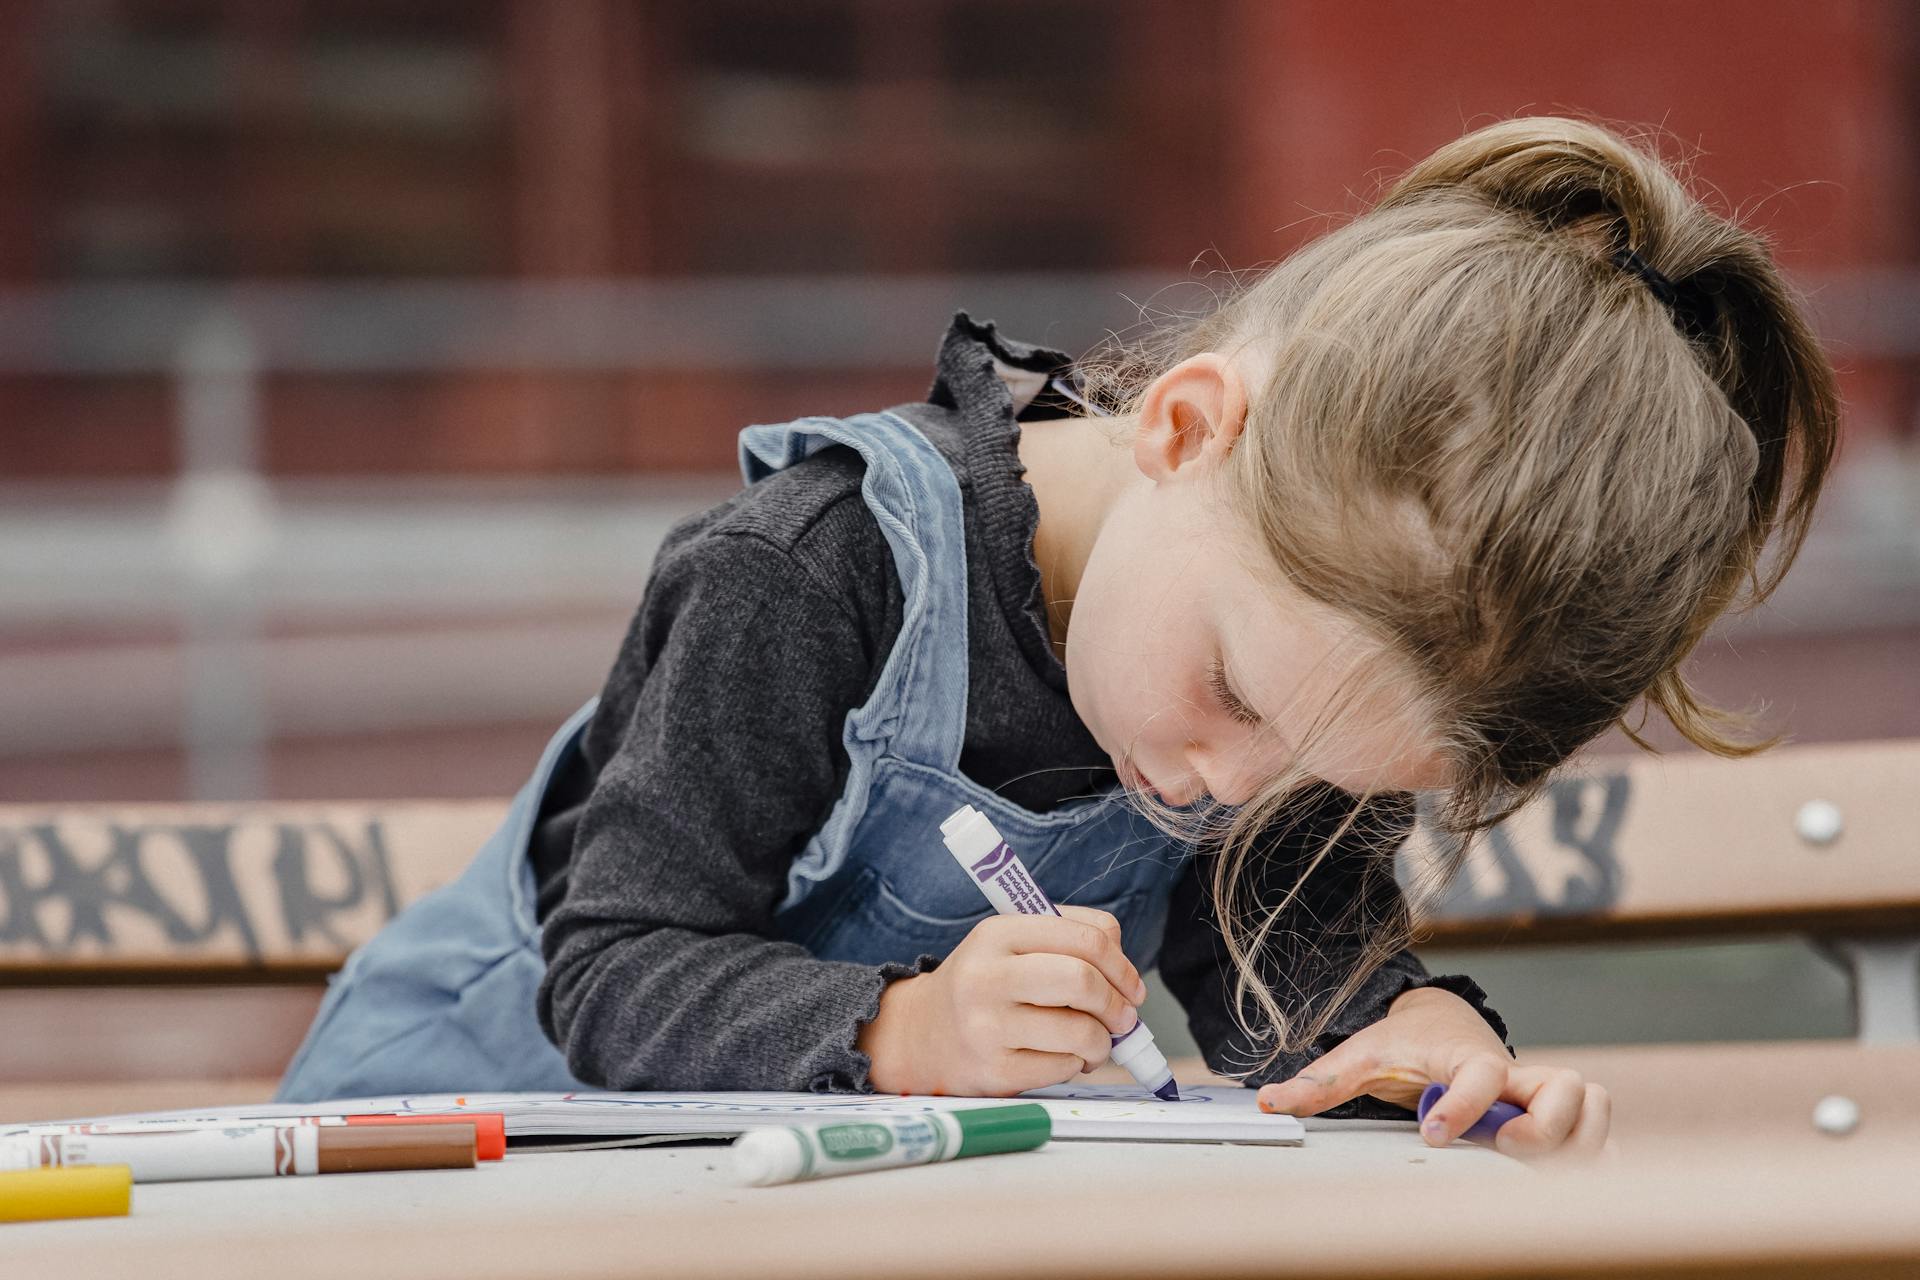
1434,1127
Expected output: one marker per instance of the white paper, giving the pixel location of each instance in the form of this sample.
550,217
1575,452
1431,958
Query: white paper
1112,1112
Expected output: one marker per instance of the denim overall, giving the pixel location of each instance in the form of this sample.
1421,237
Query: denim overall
442,999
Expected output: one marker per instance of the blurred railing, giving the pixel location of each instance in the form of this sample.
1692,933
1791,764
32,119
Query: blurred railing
215,555
221,550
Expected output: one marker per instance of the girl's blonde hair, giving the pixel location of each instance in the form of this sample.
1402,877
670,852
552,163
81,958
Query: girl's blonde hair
1520,480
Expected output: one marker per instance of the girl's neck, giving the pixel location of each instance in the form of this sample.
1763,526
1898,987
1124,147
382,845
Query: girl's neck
1077,468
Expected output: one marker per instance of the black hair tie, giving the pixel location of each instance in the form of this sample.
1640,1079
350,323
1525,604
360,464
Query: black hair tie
1629,261
1692,308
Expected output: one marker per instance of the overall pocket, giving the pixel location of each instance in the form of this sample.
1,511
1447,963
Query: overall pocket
876,924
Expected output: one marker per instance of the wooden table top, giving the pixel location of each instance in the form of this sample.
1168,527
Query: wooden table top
1751,1191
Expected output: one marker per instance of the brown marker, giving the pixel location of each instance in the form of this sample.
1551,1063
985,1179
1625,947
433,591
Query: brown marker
489,1127
370,1148
250,1151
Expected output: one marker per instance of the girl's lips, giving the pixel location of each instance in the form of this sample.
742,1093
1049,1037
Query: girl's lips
1133,778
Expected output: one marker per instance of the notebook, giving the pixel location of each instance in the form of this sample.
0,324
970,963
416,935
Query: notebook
1081,1112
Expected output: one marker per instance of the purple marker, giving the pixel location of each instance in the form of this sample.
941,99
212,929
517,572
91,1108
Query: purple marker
1485,1127
1011,888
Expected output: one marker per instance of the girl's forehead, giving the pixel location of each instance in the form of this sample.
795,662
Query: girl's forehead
1254,605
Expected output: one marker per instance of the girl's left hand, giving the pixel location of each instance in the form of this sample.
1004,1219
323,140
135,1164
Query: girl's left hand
1430,1034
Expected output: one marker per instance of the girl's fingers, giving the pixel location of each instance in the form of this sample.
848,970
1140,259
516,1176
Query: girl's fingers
1477,1084
1565,1115
1024,1069
1066,982
1058,1031
1589,1136
1346,1071
1085,938
1105,921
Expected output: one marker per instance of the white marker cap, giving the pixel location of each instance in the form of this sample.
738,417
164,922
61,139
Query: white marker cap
767,1157
968,835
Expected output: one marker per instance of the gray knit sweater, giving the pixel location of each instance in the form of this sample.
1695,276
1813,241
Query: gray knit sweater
661,853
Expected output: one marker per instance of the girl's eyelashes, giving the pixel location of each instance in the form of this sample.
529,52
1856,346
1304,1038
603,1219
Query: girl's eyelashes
1224,694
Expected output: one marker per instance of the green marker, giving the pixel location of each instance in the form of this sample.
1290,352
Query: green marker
767,1157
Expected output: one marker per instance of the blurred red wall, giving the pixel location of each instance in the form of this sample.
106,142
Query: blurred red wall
1797,118
962,136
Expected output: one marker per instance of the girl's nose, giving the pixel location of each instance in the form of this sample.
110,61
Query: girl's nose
1229,777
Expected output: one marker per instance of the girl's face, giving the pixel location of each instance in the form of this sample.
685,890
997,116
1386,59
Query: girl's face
1194,669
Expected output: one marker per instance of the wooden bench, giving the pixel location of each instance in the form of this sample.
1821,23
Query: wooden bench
1822,841
148,942
192,942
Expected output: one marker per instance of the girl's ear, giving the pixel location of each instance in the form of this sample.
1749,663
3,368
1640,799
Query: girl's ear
1194,412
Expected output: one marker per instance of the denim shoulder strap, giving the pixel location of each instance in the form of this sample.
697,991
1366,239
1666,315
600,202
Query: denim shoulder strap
919,704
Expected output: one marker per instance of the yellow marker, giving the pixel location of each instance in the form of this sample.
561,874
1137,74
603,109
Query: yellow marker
97,1191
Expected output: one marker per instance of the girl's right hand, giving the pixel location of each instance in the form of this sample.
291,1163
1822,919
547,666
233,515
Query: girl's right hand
1023,1002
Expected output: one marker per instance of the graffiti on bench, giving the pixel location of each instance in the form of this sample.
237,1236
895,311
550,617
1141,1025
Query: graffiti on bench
264,890
97,890
1557,857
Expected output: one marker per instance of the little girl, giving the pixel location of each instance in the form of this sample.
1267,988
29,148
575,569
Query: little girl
1413,516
